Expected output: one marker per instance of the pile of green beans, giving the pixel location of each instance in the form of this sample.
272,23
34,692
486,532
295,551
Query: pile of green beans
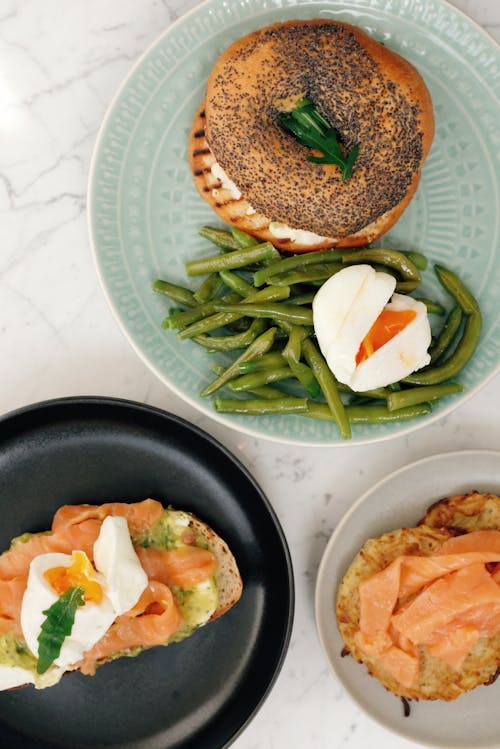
258,303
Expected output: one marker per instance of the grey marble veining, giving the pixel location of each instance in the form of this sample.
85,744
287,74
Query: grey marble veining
60,64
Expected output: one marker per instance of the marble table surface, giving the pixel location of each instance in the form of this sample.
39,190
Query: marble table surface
60,63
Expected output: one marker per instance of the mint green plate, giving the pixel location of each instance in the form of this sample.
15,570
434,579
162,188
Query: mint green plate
144,211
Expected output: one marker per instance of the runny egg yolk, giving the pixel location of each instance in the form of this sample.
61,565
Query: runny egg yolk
388,324
79,573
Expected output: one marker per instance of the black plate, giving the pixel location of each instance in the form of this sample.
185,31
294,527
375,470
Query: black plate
199,693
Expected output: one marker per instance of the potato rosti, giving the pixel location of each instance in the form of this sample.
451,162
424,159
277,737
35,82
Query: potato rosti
465,515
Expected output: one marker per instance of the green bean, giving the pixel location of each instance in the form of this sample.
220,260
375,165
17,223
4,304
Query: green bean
258,406
260,345
456,361
406,287
378,414
177,293
264,391
433,308
292,353
293,349
272,359
294,314
418,260
328,386
244,240
393,387
376,393
211,287
236,283
231,260
374,414
296,261
457,290
306,298
359,400
182,319
468,341
223,317
319,272
392,258
220,237
175,311
425,394
447,334
231,342
238,326
264,377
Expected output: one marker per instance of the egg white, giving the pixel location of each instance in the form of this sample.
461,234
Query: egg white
115,558
344,310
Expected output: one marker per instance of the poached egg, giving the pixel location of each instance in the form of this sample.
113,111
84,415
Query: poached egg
369,336
111,588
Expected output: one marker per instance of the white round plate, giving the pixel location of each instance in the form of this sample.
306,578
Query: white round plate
400,500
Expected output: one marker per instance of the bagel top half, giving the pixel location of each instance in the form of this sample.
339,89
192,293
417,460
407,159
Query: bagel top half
371,96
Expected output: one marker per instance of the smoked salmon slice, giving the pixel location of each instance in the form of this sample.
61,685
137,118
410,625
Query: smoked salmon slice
140,515
11,598
152,621
456,600
16,560
185,567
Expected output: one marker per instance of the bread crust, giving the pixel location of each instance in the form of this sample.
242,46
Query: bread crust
437,680
372,96
228,578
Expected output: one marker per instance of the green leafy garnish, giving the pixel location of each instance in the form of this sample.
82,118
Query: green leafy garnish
57,626
312,130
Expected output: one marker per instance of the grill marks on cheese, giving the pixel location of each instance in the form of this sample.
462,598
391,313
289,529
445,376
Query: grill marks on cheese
154,619
444,602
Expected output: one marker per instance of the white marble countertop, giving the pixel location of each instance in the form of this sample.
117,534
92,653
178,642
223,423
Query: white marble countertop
60,64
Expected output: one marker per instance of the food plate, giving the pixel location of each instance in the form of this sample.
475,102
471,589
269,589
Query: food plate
144,211
198,694
400,500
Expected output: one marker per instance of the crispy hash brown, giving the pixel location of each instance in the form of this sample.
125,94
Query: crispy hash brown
465,512
445,519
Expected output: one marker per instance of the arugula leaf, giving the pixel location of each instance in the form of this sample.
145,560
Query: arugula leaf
58,624
312,130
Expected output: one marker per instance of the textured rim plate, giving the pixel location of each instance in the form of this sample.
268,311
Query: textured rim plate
400,500
144,211
198,694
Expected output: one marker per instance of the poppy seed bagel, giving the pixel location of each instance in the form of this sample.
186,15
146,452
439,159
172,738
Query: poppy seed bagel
371,96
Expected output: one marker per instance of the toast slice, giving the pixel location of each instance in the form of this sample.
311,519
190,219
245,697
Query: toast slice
176,553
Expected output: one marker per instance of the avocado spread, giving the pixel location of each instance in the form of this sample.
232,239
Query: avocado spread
197,604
